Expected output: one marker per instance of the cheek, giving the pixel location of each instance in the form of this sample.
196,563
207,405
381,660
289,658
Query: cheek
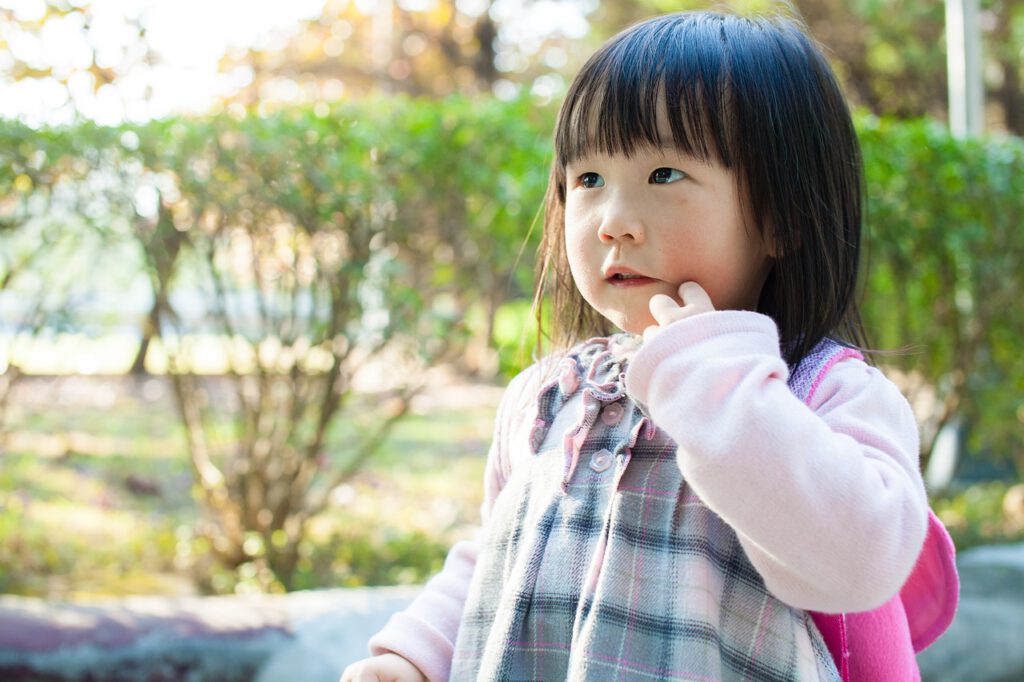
575,242
573,220
585,269
582,268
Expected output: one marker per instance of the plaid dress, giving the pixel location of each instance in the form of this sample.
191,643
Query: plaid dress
599,562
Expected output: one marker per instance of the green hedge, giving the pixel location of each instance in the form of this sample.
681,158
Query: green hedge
946,244
460,181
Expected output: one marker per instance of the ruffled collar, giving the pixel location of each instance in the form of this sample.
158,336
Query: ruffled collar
596,369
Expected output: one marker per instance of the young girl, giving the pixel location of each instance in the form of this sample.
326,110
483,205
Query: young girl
702,496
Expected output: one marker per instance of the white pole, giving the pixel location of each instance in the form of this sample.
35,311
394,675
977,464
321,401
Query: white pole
383,35
963,67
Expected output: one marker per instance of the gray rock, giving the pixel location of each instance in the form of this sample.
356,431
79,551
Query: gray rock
985,642
302,636
330,634
145,639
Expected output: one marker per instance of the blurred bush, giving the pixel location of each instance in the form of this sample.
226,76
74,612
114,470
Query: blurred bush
304,244
983,514
301,248
945,248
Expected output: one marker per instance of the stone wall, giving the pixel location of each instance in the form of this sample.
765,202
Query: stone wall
222,639
312,636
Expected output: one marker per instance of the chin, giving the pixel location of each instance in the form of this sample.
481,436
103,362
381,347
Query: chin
631,323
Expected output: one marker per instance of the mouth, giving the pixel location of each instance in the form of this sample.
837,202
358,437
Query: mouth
624,277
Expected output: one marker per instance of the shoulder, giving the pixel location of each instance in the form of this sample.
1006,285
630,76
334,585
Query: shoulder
524,387
864,399
521,400
806,376
518,406
846,373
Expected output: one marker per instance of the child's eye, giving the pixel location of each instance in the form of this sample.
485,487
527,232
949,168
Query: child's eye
591,180
663,176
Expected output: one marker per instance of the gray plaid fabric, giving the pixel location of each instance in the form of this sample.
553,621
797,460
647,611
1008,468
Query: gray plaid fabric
600,563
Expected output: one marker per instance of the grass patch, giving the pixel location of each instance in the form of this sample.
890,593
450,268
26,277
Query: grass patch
96,496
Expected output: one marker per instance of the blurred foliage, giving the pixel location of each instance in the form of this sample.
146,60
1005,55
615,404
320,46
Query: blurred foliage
515,336
296,242
890,54
944,253
436,49
983,514
323,220
419,218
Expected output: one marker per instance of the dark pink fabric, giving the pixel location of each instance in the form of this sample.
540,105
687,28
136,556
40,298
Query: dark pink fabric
881,644
833,631
932,592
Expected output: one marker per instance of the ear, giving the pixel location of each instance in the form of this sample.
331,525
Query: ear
770,244
767,236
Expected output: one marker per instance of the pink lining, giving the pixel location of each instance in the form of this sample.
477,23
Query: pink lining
841,355
931,593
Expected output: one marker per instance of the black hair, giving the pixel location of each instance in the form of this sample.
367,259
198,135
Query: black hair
757,96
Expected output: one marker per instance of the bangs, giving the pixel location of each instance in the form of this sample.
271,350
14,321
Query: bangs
668,73
757,96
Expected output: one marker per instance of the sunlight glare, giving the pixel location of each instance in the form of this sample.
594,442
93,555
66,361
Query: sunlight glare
26,10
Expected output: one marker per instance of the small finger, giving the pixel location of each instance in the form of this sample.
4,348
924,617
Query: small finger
694,294
663,308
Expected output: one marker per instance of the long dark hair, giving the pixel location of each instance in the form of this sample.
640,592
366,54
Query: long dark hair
757,96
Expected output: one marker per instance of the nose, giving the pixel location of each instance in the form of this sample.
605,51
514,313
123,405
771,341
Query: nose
621,222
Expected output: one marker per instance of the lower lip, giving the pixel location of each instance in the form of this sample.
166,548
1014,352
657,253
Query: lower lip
632,282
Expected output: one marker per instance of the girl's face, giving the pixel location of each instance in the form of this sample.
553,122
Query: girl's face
643,225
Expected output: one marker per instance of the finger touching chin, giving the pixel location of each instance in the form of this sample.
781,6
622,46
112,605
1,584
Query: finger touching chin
694,294
662,308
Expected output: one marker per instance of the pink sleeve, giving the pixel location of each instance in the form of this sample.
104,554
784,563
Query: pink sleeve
425,632
827,500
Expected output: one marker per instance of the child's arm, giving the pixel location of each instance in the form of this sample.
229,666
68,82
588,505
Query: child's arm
828,502
424,634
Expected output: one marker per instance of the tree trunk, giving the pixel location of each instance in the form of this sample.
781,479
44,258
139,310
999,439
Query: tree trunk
149,332
1012,98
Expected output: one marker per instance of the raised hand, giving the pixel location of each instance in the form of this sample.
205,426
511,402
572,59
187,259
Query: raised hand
665,310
